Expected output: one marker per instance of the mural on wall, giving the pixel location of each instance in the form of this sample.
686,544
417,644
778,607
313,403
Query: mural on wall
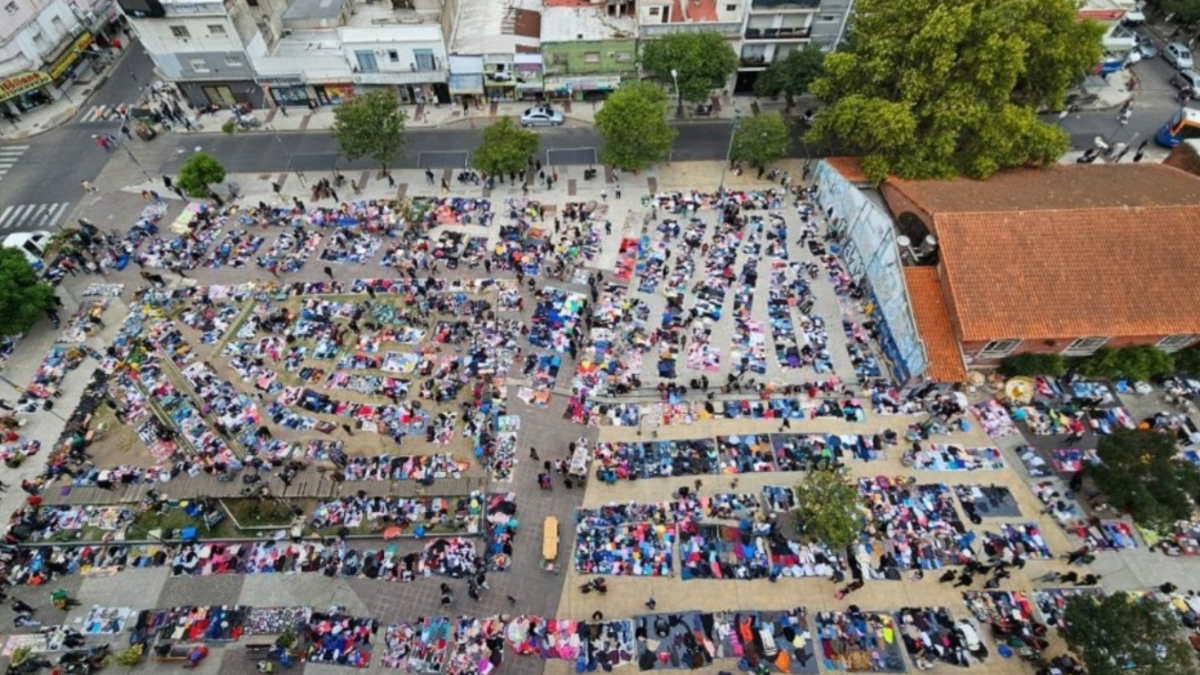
870,252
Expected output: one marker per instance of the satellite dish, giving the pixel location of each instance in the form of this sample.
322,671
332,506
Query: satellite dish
903,241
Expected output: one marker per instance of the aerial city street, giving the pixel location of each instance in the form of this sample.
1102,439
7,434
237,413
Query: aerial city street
553,336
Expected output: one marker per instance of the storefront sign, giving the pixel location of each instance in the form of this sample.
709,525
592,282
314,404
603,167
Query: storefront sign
466,84
1101,14
280,81
70,56
595,83
22,82
421,77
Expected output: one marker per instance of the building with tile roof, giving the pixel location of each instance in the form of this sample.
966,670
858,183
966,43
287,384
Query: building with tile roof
1063,260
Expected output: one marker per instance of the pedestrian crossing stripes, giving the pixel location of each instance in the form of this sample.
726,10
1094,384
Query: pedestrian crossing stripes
9,154
26,217
102,113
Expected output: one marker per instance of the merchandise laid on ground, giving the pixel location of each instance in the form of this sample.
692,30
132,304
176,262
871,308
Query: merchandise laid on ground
340,394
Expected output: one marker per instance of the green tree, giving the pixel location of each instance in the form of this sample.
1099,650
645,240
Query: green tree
198,172
762,139
948,87
1140,473
791,75
701,61
1187,360
506,147
1138,363
1185,11
827,505
1123,634
634,127
23,297
370,125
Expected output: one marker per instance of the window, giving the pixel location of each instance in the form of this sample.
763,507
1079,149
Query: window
216,29
252,3
11,8
653,11
730,8
198,65
827,18
393,56
39,38
1084,346
998,348
366,62
424,60
233,62
591,57
1173,343
180,32
622,56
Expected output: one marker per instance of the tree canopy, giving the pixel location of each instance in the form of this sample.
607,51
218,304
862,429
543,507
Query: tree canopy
703,62
505,148
198,172
791,75
827,505
939,88
634,127
370,125
23,297
762,139
1140,473
1185,11
1142,362
1122,634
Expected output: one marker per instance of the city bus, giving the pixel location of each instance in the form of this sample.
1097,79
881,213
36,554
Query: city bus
1184,125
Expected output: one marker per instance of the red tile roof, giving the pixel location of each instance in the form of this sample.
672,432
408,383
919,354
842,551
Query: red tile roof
849,167
933,324
1062,186
1073,273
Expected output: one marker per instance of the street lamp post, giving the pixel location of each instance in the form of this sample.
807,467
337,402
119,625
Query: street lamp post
678,93
737,121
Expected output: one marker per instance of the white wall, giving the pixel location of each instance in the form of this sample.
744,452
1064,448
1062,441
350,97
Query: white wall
158,38
405,58
41,36
27,10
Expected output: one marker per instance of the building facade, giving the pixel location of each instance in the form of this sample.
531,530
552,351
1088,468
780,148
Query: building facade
47,45
295,52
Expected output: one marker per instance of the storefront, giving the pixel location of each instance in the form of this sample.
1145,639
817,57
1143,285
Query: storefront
62,68
530,82
581,87
466,79
499,78
23,92
334,93
223,94
287,91
412,88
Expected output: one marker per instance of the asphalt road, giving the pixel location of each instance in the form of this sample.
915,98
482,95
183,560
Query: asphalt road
45,176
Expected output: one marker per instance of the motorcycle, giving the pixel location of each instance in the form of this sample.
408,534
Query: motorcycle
589,174
597,584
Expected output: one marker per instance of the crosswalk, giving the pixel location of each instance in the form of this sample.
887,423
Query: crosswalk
25,217
9,156
104,113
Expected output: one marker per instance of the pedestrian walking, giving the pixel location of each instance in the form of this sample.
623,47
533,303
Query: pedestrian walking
604,193
651,603
329,272
617,190
346,428
125,130
88,187
429,176
511,600
533,454
391,180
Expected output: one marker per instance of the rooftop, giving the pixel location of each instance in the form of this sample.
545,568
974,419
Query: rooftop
588,23
1054,274
1061,187
307,10
849,167
381,15
934,326
491,27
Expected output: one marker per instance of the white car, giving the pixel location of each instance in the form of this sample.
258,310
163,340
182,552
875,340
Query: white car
32,244
1178,55
542,116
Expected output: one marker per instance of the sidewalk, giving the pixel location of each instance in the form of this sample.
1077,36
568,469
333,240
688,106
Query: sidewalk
58,113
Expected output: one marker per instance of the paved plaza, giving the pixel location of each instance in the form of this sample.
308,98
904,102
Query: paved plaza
390,419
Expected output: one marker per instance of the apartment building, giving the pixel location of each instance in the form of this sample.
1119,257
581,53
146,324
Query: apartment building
47,44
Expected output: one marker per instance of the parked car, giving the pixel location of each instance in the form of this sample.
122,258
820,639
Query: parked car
1145,46
1187,79
1134,18
1178,55
32,244
542,116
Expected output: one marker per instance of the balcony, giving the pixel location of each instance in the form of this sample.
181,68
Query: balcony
784,4
755,61
777,34
655,30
